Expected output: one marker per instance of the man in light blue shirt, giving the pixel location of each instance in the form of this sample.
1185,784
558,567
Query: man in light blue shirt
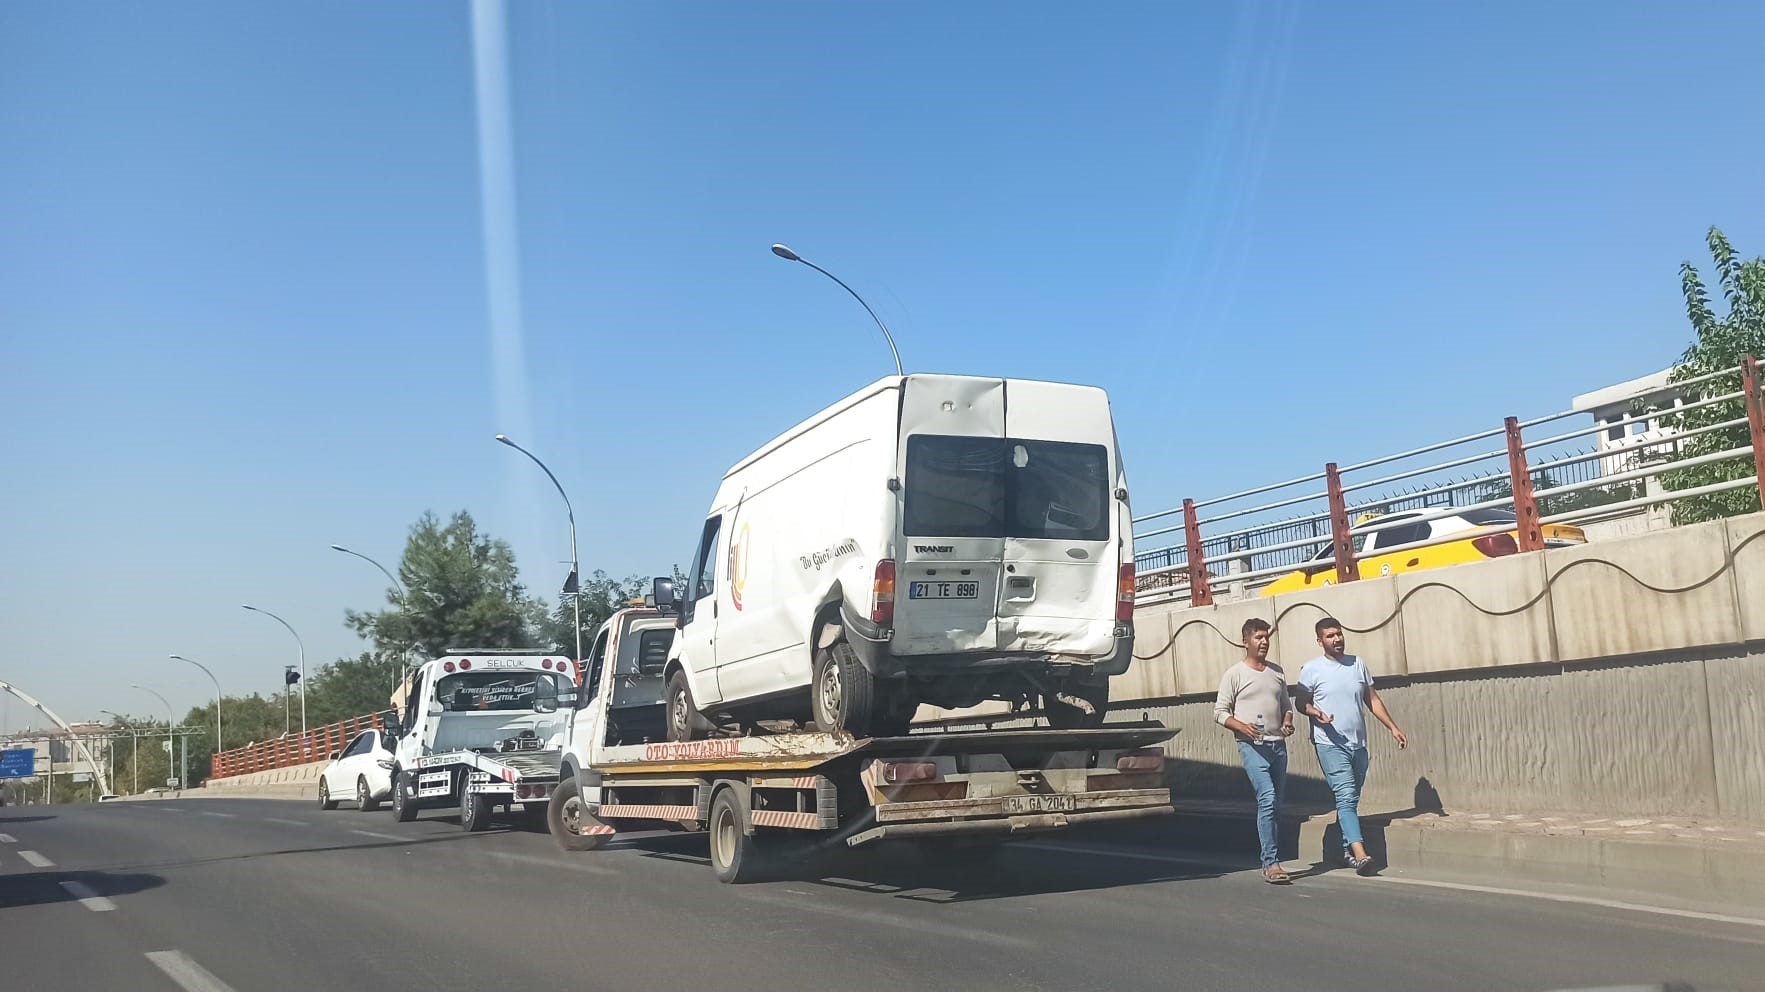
1332,690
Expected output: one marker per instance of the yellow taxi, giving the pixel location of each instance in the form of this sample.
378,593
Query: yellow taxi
1489,533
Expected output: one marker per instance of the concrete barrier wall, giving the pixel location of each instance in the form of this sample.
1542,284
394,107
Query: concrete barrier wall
1624,676
294,777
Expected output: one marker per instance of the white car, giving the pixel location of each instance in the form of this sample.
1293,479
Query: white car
930,539
363,770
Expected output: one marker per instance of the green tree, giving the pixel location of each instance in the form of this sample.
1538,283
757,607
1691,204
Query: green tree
462,590
1721,343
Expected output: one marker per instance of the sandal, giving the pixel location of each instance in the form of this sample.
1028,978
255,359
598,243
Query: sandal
1276,875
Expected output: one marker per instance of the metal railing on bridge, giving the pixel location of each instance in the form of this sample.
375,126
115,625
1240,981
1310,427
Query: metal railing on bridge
293,749
1244,543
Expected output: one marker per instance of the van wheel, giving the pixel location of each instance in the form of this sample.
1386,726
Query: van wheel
845,696
566,816
1076,705
685,723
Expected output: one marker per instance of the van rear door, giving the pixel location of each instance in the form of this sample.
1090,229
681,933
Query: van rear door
1061,553
951,542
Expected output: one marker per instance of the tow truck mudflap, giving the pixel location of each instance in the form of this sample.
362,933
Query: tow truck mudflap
1001,826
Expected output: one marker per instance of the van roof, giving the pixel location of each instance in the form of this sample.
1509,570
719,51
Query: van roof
881,385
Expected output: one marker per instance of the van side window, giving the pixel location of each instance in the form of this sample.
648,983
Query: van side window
703,575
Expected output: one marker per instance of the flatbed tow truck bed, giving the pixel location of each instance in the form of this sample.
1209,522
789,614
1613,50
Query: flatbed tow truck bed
759,794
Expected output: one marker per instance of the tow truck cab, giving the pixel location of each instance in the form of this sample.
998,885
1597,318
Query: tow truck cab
481,701
624,672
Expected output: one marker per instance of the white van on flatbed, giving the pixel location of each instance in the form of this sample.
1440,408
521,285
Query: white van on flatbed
929,539
768,799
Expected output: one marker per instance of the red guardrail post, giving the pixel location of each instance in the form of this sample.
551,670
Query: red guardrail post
1200,592
1520,480
1755,400
1342,542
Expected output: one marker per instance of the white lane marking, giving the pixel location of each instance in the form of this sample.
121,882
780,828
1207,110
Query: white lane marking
88,898
187,973
209,812
37,860
8,839
1690,914
277,819
169,809
370,833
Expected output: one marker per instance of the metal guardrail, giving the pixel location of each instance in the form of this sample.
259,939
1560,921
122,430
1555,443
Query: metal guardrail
292,749
1547,480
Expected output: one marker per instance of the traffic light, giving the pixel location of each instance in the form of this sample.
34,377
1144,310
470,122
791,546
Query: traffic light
290,676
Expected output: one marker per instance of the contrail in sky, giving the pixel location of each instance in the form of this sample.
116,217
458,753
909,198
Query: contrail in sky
496,185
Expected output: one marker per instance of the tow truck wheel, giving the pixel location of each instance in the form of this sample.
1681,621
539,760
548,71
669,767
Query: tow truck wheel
475,808
566,815
736,854
364,796
404,808
845,696
684,721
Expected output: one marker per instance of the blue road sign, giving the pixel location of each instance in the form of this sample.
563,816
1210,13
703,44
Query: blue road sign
18,763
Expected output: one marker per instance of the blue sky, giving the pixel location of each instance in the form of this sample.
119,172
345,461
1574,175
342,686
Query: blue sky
243,306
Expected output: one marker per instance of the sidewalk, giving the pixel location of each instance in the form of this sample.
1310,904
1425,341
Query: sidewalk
1677,859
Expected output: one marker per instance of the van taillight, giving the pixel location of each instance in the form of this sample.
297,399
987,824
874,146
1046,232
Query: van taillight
882,594
1496,545
1124,594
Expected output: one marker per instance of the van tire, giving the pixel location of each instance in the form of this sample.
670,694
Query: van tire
559,813
845,696
1067,715
685,722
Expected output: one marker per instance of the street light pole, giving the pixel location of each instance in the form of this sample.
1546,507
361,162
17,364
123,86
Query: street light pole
403,605
170,722
790,256
302,646
217,697
575,565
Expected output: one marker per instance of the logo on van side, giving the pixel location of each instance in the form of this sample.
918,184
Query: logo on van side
933,549
738,566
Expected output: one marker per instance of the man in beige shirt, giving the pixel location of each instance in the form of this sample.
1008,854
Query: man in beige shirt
1253,704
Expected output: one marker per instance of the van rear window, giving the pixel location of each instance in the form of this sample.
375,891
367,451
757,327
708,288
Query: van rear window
1006,487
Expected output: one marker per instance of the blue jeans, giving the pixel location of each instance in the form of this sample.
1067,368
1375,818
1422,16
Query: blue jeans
1345,771
1266,764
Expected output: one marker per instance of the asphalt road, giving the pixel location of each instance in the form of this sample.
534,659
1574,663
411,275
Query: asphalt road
210,895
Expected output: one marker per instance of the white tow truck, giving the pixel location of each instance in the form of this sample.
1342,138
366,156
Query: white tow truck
766,797
480,730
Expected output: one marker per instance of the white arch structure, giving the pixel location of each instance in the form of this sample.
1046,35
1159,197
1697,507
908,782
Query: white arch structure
97,770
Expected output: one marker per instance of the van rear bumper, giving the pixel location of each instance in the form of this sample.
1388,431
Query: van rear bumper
872,646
